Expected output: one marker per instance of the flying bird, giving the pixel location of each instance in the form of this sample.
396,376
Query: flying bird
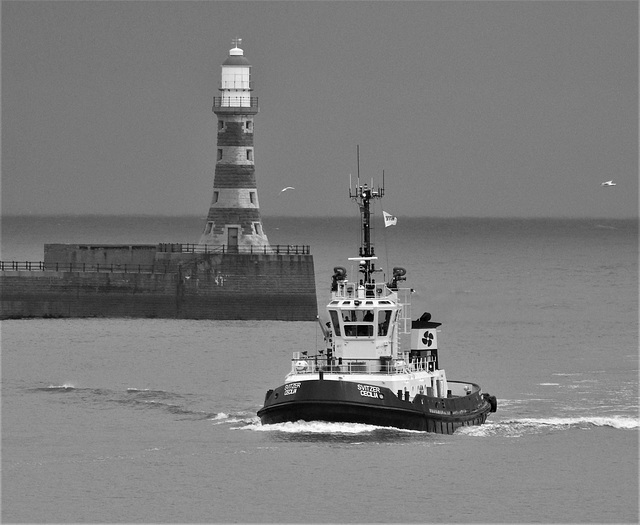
287,188
608,183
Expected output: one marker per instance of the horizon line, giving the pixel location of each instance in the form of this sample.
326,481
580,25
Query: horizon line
346,216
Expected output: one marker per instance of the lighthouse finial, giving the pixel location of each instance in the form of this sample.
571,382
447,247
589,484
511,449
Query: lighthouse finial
236,41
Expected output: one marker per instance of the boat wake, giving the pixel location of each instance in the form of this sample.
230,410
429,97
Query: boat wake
247,418
321,431
508,428
317,427
528,426
136,398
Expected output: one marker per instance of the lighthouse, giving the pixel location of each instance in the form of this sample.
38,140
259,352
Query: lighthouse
233,221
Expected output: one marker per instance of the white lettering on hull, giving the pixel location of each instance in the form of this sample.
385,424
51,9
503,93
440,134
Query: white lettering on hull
370,391
291,388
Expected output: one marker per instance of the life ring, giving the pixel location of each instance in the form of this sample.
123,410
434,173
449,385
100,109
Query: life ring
301,366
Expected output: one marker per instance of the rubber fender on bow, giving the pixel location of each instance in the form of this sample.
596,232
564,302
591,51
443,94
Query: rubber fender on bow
492,401
268,395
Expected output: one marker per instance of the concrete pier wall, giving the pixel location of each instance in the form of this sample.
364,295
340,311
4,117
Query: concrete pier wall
203,286
100,253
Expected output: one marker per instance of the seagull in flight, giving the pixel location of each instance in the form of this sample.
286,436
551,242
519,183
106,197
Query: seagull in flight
287,188
608,183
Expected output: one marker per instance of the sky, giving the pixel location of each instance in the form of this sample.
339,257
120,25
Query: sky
471,108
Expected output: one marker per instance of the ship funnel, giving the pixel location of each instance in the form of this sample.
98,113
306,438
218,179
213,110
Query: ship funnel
424,340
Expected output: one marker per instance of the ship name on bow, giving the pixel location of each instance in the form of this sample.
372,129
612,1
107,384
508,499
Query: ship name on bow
291,388
370,391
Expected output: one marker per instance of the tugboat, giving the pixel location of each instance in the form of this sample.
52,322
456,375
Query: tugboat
363,375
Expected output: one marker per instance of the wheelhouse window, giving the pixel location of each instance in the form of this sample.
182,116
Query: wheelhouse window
358,323
335,321
357,316
358,330
384,321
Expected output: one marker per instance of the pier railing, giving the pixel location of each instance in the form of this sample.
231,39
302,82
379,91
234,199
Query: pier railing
160,266
40,266
276,249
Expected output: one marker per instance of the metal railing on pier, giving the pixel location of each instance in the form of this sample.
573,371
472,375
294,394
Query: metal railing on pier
277,249
40,266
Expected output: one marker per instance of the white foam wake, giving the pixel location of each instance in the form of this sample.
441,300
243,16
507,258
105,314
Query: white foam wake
65,386
620,422
320,427
519,427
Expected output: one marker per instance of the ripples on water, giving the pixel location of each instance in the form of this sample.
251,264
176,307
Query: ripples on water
121,420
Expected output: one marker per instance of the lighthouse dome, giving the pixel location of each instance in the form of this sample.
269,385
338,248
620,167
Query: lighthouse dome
236,60
236,55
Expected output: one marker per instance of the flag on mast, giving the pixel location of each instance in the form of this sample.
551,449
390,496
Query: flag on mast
389,220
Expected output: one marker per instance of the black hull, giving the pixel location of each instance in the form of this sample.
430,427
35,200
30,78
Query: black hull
348,402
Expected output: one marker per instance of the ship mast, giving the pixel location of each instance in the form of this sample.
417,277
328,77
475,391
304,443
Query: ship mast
362,196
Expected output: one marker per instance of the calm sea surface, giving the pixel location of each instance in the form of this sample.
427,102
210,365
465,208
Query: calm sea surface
151,421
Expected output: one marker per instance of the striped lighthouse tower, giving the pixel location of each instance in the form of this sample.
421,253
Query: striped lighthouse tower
234,220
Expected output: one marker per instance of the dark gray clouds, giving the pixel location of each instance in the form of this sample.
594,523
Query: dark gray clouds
471,108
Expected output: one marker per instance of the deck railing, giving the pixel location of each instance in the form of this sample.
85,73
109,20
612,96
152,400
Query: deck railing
304,364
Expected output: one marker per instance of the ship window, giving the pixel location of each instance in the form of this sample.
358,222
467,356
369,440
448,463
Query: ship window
335,320
384,320
358,330
358,316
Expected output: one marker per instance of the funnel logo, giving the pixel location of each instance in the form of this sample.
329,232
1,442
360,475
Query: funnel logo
427,339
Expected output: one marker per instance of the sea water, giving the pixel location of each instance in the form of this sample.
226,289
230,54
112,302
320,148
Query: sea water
154,420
